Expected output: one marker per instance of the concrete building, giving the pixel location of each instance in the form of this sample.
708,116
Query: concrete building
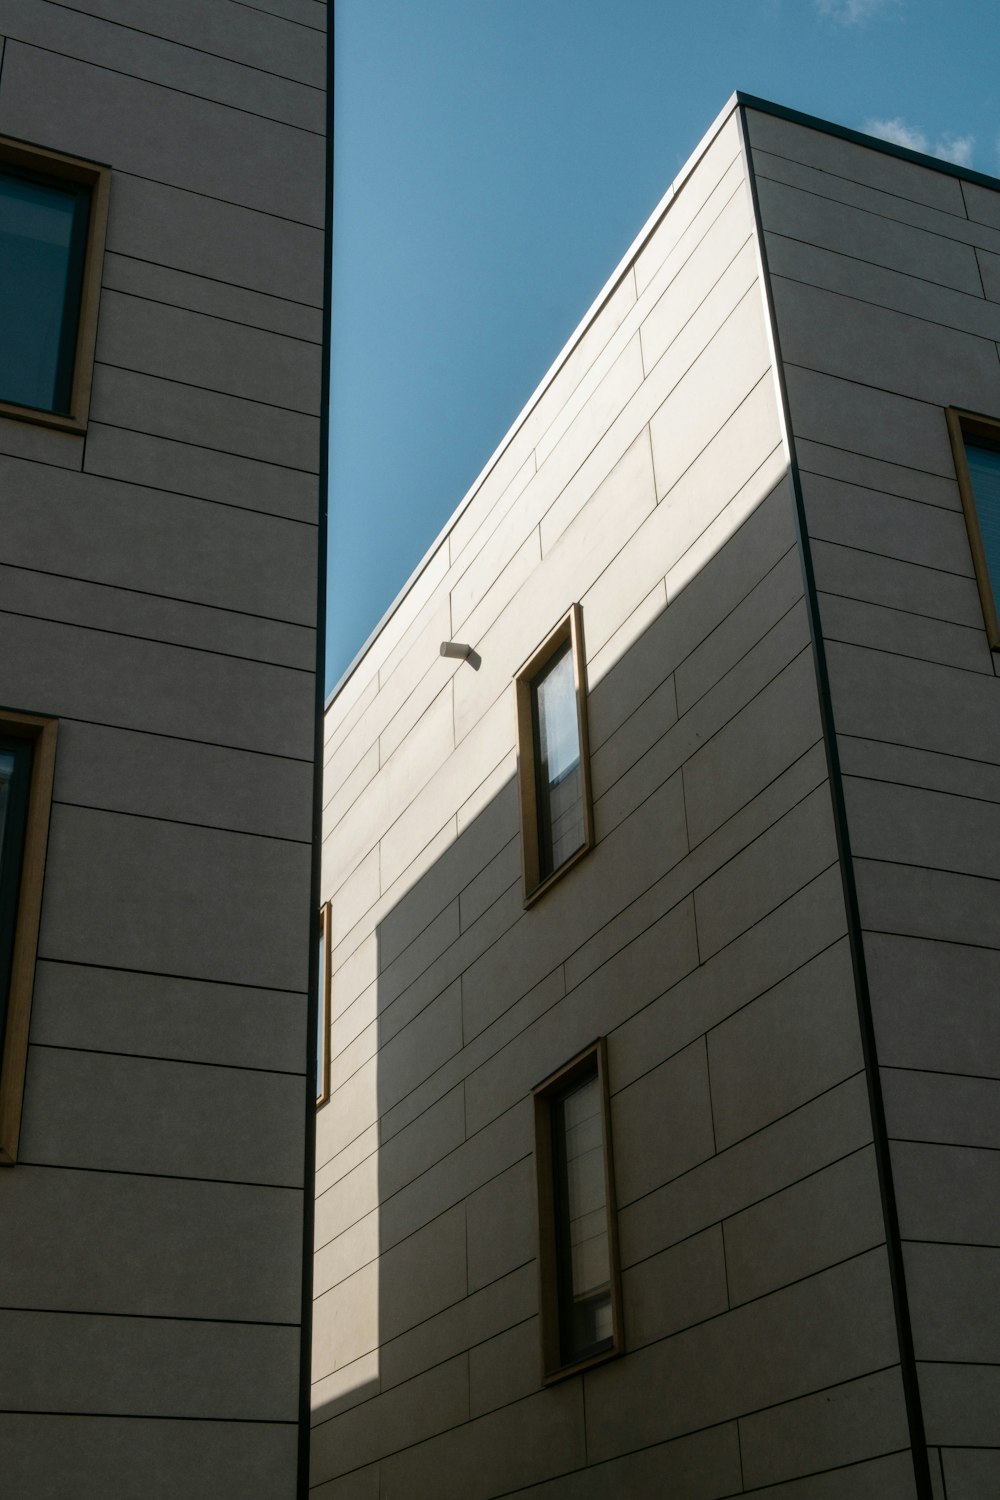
660,1152
162,200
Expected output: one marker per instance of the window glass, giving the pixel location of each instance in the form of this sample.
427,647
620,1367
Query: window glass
550,696
561,828
15,776
323,1009
6,775
43,230
583,1251
984,472
321,1015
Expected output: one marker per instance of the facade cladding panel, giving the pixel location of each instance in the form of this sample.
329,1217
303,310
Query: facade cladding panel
158,568
784,929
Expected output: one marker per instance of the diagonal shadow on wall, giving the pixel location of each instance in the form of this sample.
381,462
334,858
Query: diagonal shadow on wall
704,936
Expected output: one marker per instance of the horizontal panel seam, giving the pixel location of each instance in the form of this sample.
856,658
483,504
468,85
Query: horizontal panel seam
188,46
170,88
128,588
152,640
201,312
232,984
205,448
210,390
126,812
184,1062
238,286
104,1171
249,208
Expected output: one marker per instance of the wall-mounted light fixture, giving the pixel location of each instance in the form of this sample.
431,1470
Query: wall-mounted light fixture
462,652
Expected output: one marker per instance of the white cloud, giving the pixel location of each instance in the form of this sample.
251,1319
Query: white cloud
853,12
898,132
956,148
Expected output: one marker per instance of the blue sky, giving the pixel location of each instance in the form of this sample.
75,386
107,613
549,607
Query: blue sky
493,160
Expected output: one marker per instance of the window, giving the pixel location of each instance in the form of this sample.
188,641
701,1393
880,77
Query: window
323,1010
53,211
578,1242
27,753
975,443
552,756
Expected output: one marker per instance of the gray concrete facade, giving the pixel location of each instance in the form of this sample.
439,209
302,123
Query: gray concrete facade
158,594
740,469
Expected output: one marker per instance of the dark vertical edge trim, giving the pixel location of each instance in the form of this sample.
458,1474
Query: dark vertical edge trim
894,1250
315,885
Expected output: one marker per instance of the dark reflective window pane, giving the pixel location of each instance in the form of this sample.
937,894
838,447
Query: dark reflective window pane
15,779
558,778
583,1250
6,776
984,471
42,240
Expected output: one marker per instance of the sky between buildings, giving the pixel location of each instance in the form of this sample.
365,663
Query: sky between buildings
494,159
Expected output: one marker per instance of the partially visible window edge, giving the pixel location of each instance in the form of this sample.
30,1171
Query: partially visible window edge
42,731
963,427
325,1015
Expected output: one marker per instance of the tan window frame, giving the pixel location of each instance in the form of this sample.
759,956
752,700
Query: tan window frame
967,426
592,1061
58,167
29,905
570,628
324,1018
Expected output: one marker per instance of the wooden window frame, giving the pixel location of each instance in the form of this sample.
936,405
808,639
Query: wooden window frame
29,906
569,628
593,1058
57,167
968,426
325,1014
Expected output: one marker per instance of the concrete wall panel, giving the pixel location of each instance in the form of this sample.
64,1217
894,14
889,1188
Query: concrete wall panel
140,1014
126,1366
151,1458
190,1269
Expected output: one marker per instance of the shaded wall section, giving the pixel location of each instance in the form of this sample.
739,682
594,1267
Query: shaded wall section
158,584
710,949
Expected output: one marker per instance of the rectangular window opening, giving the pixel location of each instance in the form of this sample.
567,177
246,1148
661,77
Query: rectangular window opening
578,1250
323,1017
552,756
53,213
975,442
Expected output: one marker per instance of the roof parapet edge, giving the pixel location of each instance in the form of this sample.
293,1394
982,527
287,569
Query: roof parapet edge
860,138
